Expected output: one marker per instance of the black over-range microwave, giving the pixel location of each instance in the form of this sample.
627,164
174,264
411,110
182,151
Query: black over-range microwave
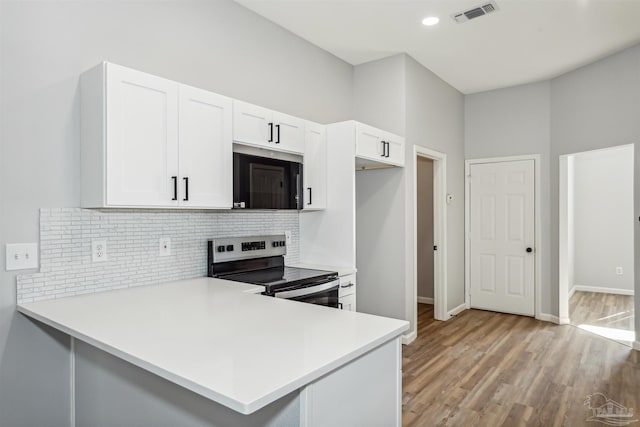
266,183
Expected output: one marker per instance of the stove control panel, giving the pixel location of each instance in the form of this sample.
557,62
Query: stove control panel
237,248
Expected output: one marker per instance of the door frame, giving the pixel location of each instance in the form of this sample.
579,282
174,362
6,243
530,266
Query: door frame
538,251
439,233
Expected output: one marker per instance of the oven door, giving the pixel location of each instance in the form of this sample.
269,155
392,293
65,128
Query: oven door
322,294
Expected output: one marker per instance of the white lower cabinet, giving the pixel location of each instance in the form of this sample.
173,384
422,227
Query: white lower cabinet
347,292
354,396
152,142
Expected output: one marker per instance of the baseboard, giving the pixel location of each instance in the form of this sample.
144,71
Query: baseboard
636,345
600,290
545,317
409,338
564,321
425,300
459,309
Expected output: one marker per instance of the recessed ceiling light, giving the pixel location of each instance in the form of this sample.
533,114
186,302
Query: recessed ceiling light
430,20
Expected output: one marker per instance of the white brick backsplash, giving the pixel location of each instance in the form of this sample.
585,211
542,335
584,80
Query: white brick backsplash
132,236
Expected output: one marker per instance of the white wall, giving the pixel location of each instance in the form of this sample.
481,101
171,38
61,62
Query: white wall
603,218
510,122
44,46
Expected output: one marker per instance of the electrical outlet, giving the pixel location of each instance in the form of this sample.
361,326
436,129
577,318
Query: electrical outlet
287,235
21,256
98,250
619,271
165,246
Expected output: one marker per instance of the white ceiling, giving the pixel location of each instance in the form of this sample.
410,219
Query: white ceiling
524,41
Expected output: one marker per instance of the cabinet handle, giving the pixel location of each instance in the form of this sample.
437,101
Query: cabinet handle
348,285
186,188
388,148
310,195
384,148
278,133
270,132
175,187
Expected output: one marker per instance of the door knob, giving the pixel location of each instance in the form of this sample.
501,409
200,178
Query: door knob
529,250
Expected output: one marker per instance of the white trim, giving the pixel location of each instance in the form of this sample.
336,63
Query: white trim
409,338
425,300
546,317
459,309
601,290
440,233
72,381
538,225
636,345
571,292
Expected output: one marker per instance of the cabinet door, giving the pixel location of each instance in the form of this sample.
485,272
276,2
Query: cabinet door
142,138
289,133
315,167
369,143
348,302
395,149
253,125
206,157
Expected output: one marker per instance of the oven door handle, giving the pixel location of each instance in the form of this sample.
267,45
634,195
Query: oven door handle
309,290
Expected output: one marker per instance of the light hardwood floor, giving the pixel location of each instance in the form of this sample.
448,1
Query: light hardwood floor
608,315
491,369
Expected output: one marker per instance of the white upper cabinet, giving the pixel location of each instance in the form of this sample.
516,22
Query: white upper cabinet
142,138
264,128
152,142
378,148
206,158
315,167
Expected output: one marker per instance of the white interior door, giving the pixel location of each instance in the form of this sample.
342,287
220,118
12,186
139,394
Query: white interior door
502,230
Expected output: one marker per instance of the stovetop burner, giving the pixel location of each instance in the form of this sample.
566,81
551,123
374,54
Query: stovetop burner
277,278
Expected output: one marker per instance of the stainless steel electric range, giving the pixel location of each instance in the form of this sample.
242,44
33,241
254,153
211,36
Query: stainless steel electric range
260,261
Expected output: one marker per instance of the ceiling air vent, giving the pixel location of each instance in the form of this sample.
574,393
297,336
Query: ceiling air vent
475,12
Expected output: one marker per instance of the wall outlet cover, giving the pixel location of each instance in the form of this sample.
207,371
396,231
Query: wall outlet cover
98,250
287,235
21,256
165,246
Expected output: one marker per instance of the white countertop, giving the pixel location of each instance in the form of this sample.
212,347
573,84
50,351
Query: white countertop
342,271
218,338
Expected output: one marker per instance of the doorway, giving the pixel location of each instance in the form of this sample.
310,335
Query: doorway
502,222
430,236
596,257
425,230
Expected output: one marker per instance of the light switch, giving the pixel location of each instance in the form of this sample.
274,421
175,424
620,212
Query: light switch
21,256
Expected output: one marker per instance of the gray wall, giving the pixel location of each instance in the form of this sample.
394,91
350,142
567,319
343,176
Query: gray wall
435,120
596,106
400,95
379,100
603,218
511,122
44,46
